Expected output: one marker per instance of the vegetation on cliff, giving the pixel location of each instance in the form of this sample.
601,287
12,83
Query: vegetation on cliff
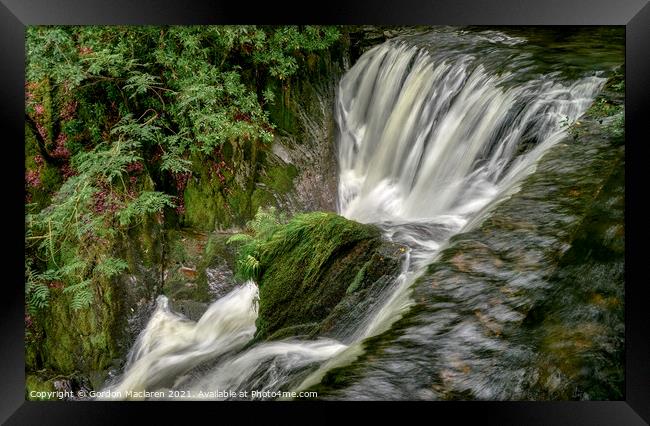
133,127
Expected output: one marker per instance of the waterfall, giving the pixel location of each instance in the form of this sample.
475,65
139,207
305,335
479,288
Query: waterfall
430,137
421,139
428,142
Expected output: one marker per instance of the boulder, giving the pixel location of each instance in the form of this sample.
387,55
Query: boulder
320,270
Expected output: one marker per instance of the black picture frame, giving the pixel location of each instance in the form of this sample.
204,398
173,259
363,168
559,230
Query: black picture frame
633,14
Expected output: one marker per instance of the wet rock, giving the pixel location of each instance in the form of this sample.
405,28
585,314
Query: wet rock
323,273
220,279
191,309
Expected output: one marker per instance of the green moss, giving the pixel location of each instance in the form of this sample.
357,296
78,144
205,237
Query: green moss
358,279
295,330
276,182
202,206
314,271
198,251
214,201
149,242
281,111
32,351
35,383
217,248
262,198
307,265
280,178
298,91
239,207
49,176
308,241
177,252
82,340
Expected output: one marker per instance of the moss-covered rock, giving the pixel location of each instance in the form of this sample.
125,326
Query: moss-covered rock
219,193
83,340
311,270
206,206
184,254
37,388
87,342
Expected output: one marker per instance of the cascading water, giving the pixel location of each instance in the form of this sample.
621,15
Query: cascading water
431,137
421,140
171,344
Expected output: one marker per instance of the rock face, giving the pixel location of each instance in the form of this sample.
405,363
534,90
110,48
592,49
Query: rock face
298,171
318,271
198,271
80,346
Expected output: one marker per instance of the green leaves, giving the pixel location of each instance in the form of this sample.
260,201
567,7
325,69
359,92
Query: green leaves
82,294
216,107
240,238
140,83
37,293
51,54
134,132
148,202
268,95
74,221
111,267
260,229
78,273
107,62
278,53
125,107
174,163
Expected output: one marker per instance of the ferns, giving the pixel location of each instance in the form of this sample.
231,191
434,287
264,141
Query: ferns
140,83
82,294
37,293
289,258
147,203
260,229
240,238
266,222
111,267
76,224
78,272
249,266
173,162
116,105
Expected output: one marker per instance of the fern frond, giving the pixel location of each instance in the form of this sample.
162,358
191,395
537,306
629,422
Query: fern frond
111,267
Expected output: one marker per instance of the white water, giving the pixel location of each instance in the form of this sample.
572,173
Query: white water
423,140
172,344
426,147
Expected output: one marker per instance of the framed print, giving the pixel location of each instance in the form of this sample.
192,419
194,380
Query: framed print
431,205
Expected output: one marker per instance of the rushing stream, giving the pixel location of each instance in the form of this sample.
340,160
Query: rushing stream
435,130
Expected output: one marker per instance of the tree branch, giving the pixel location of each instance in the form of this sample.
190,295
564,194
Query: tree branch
41,142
